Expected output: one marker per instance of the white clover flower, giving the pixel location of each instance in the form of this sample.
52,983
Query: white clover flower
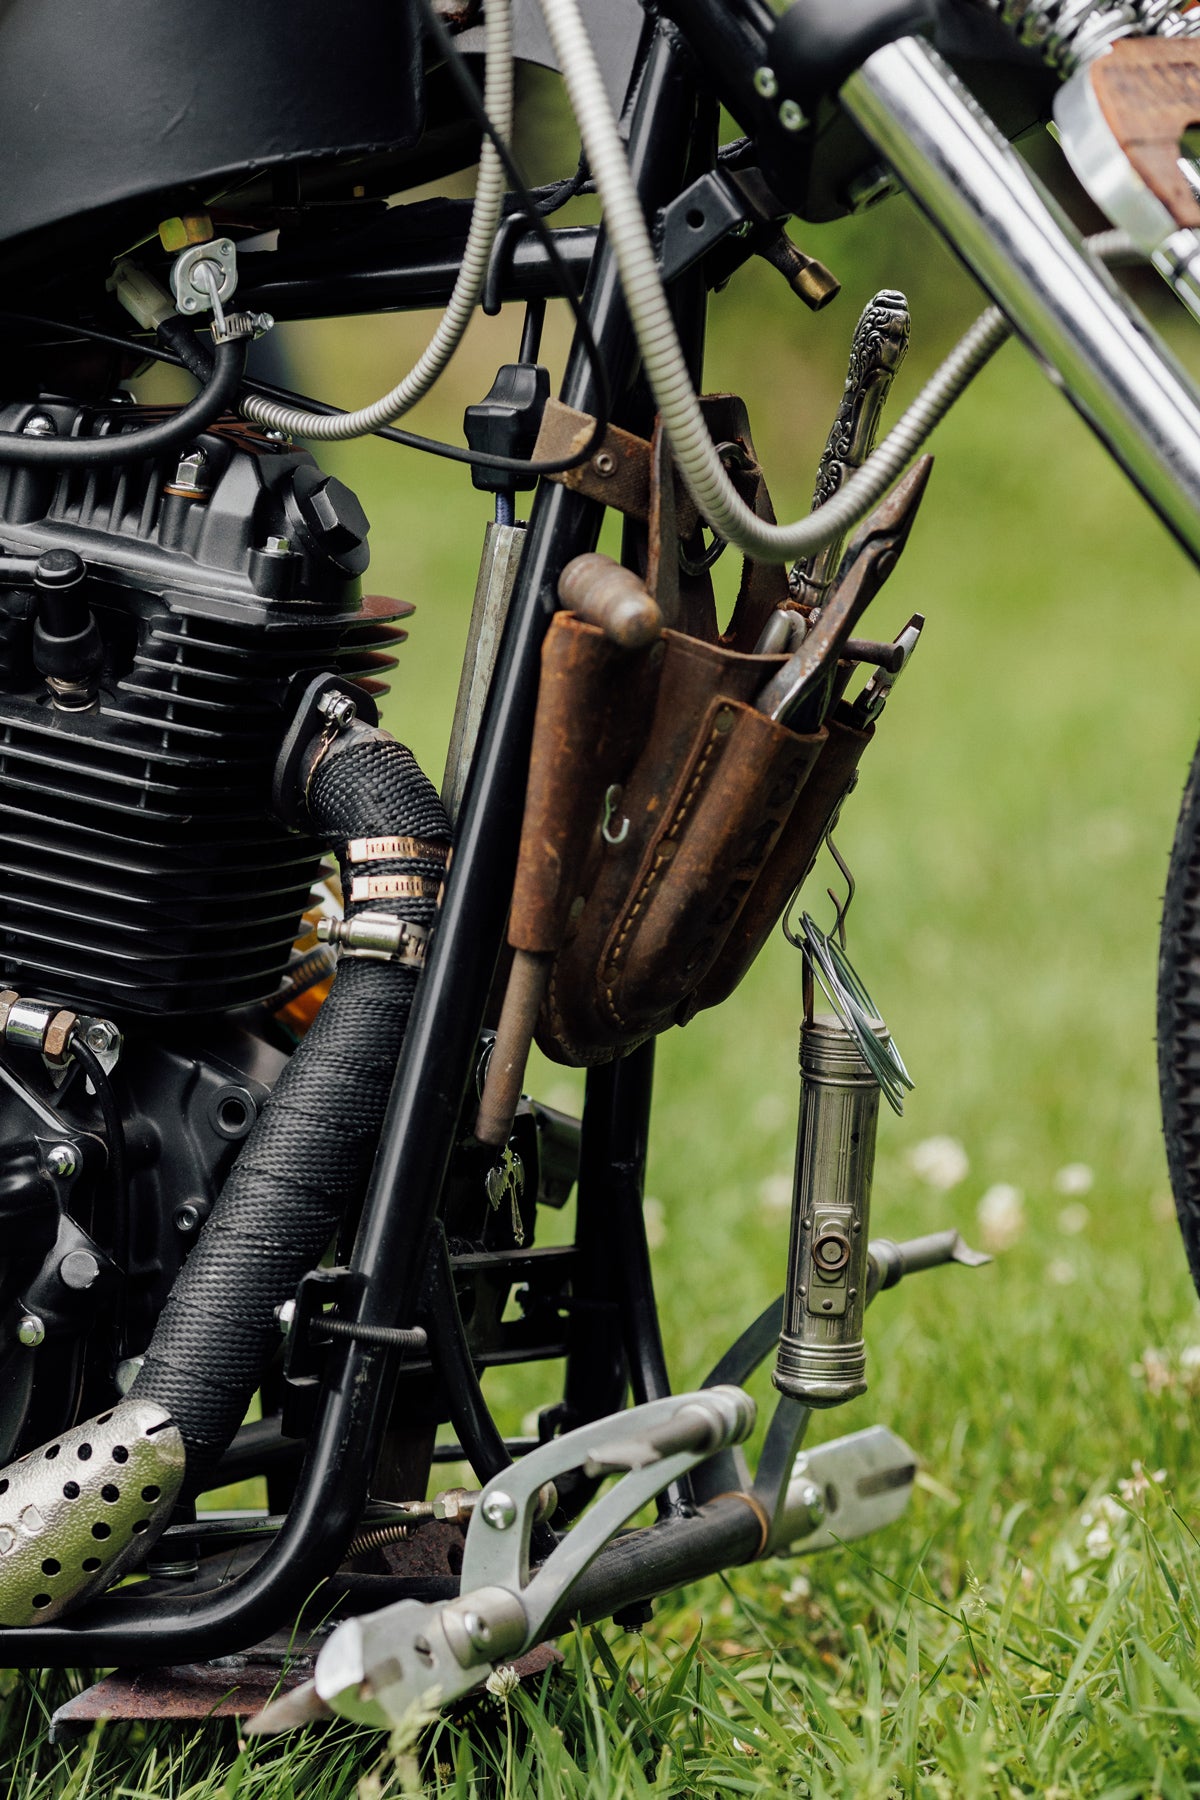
1075,1178
1001,1216
941,1162
799,1591
502,1681
1074,1219
656,1223
1154,1369
775,1193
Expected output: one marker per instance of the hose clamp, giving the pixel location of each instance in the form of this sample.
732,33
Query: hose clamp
378,937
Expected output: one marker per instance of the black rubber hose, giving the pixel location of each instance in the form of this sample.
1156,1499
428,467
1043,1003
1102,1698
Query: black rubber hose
306,1162
217,396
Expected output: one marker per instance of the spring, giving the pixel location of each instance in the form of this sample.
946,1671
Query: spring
376,1538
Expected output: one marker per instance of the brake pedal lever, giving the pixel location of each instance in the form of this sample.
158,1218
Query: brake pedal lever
799,695
379,1668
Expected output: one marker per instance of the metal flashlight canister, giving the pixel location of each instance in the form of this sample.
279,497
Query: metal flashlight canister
822,1357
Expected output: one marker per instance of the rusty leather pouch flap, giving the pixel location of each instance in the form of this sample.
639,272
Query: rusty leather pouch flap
711,789
786,867
594,700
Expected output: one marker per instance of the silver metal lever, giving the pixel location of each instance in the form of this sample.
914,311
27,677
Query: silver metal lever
379,1668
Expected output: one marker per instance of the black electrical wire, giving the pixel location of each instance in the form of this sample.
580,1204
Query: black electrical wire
152,440
392,434
114,1137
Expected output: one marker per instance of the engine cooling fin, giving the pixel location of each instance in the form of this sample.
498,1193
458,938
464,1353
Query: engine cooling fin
140,868
76,1514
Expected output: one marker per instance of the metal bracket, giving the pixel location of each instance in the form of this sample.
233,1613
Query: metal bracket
378,1668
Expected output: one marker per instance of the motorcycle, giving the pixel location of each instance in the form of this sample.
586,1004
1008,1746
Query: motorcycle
269,995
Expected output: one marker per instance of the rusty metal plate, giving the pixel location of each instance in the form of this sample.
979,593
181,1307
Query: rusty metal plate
231,1687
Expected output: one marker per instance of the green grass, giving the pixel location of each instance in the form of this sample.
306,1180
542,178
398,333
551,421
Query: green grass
1031,1627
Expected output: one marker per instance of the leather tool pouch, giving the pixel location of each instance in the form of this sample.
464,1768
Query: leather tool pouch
643,887
667,821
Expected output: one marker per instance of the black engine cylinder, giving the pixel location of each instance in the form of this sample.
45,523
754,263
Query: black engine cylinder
140,868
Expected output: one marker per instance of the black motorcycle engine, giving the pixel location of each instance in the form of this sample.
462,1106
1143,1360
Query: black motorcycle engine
147,675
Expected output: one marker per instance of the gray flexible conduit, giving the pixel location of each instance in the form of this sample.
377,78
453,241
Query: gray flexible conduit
307,1160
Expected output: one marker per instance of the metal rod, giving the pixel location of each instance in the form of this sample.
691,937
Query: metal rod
992,212
393,280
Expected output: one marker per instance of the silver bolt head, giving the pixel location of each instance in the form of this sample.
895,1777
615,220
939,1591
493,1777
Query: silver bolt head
500,1511
339,709
30,1331
277,546
101,1037
792,116
812,1499
188,469
765,83
60,1160
477,1629
285,1314
79,1270
40,425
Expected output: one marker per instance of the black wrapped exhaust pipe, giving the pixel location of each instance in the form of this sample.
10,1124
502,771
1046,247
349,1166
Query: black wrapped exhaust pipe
309,1155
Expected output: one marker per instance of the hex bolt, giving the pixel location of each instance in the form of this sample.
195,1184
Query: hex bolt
100,1037
60,1160
277,546
339,709
765,83
40,425
30,1330
604,463
188,470
792,116
500,1511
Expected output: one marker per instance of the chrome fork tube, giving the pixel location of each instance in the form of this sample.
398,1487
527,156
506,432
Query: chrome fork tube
992,212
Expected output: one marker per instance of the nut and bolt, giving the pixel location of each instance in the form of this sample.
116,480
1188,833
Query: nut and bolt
338,709
188,471
101,1037
61,1160
765,83
39,425
500,1511
30,1330
792,116
277,546
604,463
